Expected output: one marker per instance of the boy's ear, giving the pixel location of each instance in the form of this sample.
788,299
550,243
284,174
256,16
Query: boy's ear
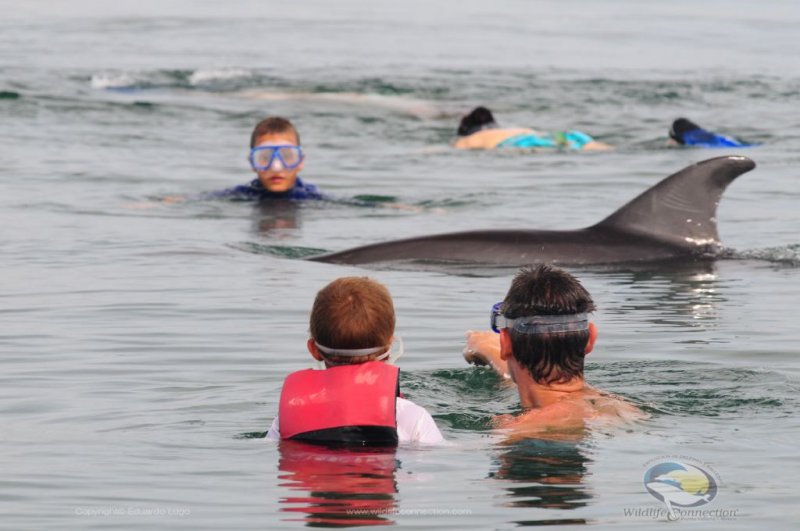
312,348
592,338
505,344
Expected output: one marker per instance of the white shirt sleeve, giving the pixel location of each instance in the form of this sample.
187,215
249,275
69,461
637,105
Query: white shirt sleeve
415,424
274,434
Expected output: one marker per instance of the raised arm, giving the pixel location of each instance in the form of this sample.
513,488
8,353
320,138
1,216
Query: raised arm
483,348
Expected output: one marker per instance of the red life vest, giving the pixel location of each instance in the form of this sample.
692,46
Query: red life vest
347,404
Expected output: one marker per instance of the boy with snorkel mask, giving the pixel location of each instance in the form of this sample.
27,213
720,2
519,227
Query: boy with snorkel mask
356,399
277,158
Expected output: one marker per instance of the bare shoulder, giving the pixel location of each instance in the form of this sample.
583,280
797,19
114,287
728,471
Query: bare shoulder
610,406
571,419
559,415
559,422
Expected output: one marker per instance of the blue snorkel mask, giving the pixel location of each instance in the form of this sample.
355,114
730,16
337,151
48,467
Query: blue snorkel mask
263,157
538,324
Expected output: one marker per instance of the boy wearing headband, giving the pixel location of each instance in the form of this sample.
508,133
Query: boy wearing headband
356,398
541,336
276,157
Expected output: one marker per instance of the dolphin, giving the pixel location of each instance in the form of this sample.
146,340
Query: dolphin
672,220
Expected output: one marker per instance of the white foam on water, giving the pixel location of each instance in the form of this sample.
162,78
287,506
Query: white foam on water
199,77
108,80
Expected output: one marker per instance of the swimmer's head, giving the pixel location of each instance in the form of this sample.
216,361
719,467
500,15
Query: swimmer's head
550,357
480,118
274,125
351,313
680,127
281,173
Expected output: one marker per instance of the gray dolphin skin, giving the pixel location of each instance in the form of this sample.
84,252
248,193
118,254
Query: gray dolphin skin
672,220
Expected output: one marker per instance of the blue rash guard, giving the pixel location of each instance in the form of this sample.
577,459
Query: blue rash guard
688,133
255,191
569,139
702,138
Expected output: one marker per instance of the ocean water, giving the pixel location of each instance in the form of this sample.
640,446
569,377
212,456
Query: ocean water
144,344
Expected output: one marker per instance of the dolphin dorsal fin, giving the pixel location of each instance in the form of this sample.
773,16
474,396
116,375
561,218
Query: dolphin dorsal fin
682,208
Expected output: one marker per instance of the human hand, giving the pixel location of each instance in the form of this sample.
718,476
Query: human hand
483,348
147,205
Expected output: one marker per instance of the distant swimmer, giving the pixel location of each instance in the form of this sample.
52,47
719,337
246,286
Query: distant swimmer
687,133
356,399
541,335
478,130
276,157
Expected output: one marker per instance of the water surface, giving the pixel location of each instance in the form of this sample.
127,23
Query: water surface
144,344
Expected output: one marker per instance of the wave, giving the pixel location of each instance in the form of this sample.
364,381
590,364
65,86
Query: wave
257,85
280,251
787,255
683,388
548,100
549,87
415,107
220,79
112,81
205,77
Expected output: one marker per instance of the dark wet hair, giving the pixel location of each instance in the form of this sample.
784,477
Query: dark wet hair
551,357
479,118
272,125
680,127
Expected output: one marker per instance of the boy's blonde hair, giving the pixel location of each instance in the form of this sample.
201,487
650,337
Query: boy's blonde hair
353,313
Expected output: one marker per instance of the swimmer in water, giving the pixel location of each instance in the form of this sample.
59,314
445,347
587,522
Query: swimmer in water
541,335
277,158
687,133
356,399
478,130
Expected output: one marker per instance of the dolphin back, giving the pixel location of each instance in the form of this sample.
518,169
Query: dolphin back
681,209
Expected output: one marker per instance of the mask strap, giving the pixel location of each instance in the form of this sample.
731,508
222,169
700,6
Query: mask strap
349,352
543,324
389,355
394,356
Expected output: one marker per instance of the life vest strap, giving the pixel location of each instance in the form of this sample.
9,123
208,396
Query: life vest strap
351,435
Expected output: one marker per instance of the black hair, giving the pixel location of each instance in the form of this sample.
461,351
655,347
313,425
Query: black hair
680,127
550,357
479,118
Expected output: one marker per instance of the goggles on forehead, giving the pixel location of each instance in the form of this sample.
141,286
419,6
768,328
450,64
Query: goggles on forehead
391,354
263,157
539,324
